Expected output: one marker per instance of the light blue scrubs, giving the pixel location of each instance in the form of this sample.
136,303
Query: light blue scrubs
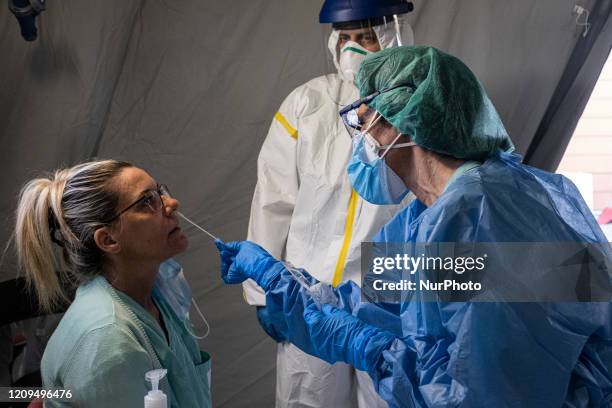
105,344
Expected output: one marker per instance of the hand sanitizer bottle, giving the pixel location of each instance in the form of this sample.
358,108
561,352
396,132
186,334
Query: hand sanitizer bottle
155,398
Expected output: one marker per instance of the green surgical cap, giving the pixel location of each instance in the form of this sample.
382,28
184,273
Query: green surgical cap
438,101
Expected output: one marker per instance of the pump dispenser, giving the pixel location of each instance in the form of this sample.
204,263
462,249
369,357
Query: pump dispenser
155,398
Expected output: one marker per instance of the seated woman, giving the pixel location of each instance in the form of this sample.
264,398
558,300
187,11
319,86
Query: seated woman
109,226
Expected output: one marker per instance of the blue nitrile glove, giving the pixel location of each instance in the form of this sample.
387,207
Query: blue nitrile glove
241,260
337,335
266,323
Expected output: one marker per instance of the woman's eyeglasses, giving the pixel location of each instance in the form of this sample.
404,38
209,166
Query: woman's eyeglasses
151,198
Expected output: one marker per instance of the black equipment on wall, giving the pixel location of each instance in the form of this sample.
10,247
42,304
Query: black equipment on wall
25,12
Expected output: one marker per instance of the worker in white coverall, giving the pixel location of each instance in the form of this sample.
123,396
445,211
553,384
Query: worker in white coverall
304,209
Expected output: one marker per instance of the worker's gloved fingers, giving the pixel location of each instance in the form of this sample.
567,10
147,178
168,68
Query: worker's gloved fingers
234,274
225,252
220,245
227,257
230,248
252,259
241,260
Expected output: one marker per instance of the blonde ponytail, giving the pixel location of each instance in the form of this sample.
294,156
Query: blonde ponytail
36,253
55,222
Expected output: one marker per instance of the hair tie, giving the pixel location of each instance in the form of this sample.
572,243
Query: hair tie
53,227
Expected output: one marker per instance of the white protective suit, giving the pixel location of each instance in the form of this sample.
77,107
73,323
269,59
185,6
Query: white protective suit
305,211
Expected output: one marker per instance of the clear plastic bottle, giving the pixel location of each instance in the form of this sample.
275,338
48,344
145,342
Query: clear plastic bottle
155,398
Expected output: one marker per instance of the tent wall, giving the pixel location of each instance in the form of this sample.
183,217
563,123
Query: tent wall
187,89
573,91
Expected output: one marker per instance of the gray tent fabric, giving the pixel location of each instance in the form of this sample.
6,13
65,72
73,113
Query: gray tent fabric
187,90
573,92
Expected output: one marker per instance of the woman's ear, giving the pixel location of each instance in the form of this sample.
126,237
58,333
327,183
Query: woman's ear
105,240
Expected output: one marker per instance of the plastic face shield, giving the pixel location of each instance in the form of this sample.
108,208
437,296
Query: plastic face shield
373,35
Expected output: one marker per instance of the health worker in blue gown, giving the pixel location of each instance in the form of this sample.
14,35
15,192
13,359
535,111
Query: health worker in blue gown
424,124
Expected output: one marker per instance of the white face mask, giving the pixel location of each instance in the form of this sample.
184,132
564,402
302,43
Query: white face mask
351,56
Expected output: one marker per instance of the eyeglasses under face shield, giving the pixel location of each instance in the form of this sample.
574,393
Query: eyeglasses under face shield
362,126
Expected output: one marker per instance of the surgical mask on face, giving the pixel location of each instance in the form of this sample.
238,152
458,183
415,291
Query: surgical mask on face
370,175
350,57
175,290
